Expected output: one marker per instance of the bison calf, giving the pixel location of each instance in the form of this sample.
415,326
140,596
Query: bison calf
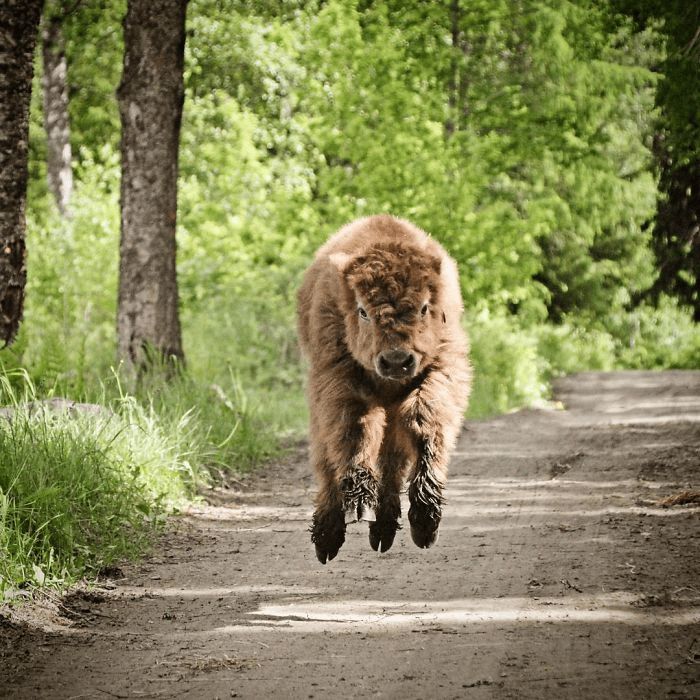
379,319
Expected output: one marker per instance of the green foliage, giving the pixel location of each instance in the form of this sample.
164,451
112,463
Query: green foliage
662,337
514,365
507,371
72,285
94,51
242,214
676,146
518,135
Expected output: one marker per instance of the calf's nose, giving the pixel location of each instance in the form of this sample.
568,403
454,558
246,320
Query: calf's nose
396,364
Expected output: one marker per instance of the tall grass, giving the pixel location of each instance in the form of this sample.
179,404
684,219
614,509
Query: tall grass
83,487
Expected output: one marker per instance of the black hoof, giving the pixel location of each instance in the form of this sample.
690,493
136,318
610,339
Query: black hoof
382,534
425,524
383,531
328,534
425,513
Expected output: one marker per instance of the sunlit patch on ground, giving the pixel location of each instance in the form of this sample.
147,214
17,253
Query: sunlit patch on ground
621,607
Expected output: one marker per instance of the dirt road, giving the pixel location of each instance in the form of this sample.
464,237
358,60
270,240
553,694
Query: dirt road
558,574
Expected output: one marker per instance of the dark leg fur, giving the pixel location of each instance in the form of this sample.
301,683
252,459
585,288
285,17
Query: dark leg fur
425,512
355,499
328,533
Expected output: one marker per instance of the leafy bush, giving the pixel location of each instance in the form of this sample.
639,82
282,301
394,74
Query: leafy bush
507,371
659,338
67,342
515,362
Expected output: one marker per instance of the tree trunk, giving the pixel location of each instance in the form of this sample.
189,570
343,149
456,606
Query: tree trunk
19,22
150,97
56,121
453,80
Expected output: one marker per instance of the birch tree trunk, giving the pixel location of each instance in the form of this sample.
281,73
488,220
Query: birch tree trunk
151,96
59,171
19,23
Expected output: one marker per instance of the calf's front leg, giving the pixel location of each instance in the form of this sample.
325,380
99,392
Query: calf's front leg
328,524
434,417
425,493
348,489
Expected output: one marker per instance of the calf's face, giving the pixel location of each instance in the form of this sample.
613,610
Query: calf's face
391,309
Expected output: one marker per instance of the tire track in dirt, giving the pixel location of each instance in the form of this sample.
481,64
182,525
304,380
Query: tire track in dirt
558,574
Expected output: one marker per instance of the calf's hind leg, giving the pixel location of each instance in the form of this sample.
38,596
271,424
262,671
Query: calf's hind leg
392,466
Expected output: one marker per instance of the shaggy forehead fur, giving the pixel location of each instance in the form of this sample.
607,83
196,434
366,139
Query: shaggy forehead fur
394,274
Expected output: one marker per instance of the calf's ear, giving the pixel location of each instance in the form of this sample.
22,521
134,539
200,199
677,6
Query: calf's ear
340,261
436,264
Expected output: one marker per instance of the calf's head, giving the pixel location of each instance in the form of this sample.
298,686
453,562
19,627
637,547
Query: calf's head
391,308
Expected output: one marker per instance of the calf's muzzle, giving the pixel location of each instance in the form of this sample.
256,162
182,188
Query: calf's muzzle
396,364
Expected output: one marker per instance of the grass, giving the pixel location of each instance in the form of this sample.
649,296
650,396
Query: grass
82,489
74,498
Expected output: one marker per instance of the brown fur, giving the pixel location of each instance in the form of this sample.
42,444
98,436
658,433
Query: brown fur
379,319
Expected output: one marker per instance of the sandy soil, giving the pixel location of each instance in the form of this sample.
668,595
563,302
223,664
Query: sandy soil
558,574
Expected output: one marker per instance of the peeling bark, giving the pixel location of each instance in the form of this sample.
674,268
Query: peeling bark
150,97
19,22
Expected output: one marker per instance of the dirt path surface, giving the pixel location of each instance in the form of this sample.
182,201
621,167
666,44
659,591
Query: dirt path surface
558,573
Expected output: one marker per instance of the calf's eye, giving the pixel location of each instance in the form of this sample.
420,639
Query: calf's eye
362,313
424,309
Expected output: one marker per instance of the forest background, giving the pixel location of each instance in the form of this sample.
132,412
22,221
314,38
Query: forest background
543,142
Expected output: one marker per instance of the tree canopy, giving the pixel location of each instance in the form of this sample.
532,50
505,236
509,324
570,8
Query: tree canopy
675,235
517,133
